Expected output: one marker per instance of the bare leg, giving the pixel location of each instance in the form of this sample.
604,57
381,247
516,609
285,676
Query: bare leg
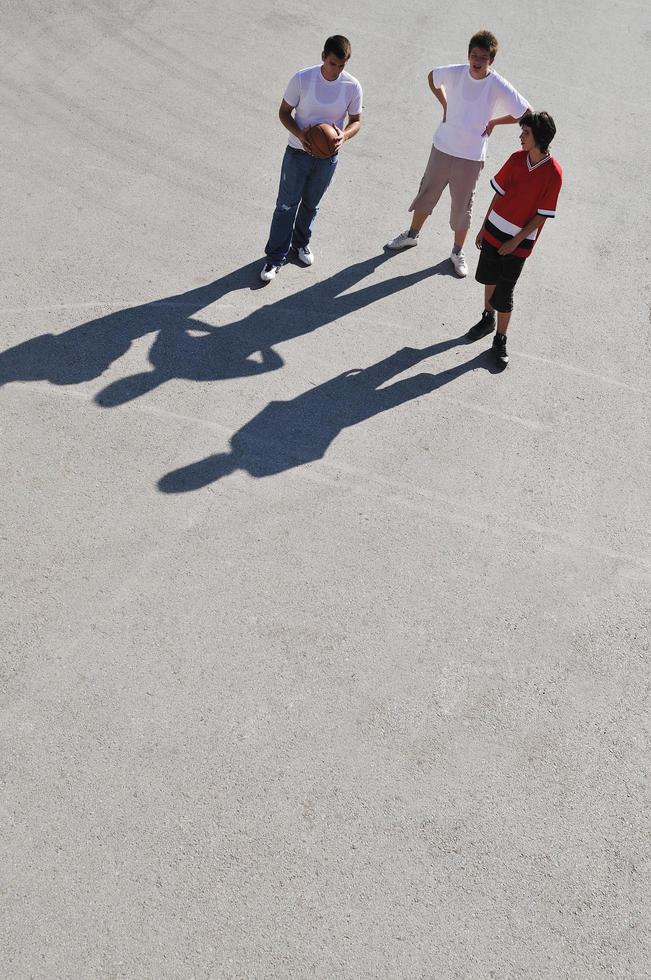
460,237
499,340
487,323
503,322
418,220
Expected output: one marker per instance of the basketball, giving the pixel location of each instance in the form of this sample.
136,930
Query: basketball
321,138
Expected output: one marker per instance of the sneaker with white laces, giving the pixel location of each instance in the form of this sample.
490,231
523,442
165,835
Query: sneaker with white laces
305,255
269,272
458,260
403,240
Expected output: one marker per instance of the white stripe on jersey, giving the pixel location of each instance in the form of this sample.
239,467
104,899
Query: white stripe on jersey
508,227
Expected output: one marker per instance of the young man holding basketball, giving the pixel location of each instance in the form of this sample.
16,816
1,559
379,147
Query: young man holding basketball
526,192
323,93
472,96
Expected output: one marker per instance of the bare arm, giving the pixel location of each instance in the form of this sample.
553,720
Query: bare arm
351,129
480,233
439,93
288,121
509,246
501,121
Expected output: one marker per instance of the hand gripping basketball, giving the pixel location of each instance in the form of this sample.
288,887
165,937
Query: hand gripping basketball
323,139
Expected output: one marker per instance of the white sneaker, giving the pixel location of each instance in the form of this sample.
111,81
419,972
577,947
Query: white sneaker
269,272
460,264
305,255
402,241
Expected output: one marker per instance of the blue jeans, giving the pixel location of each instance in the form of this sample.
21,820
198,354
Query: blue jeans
303,182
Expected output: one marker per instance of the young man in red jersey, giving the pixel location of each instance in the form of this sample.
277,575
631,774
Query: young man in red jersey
526,192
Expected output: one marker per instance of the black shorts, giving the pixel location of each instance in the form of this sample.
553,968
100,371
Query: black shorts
501,271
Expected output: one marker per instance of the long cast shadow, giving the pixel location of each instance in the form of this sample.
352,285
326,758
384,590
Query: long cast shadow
290,433
84,352
239,349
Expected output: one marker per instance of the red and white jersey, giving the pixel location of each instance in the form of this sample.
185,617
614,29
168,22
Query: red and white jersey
525,190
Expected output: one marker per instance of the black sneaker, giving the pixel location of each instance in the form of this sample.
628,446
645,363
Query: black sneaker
499,348
485,326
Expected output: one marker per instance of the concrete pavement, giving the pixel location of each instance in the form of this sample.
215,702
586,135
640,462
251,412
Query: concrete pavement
325,645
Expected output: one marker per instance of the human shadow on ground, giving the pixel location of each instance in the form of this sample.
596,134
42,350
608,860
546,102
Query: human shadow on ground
186,347
288,434
84,352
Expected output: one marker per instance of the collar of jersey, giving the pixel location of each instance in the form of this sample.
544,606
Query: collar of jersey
534,166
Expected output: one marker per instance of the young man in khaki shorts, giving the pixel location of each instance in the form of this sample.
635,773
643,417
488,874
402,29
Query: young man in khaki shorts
471,95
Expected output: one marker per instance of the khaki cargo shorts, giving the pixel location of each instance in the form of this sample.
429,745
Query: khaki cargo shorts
462,176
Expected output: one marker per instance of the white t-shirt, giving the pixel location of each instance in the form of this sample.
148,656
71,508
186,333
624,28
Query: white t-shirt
471,104
317,100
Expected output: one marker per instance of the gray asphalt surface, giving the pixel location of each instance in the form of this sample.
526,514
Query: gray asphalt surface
324,644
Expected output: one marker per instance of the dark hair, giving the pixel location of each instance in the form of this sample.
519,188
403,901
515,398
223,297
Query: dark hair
485,40
339,46
542,127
